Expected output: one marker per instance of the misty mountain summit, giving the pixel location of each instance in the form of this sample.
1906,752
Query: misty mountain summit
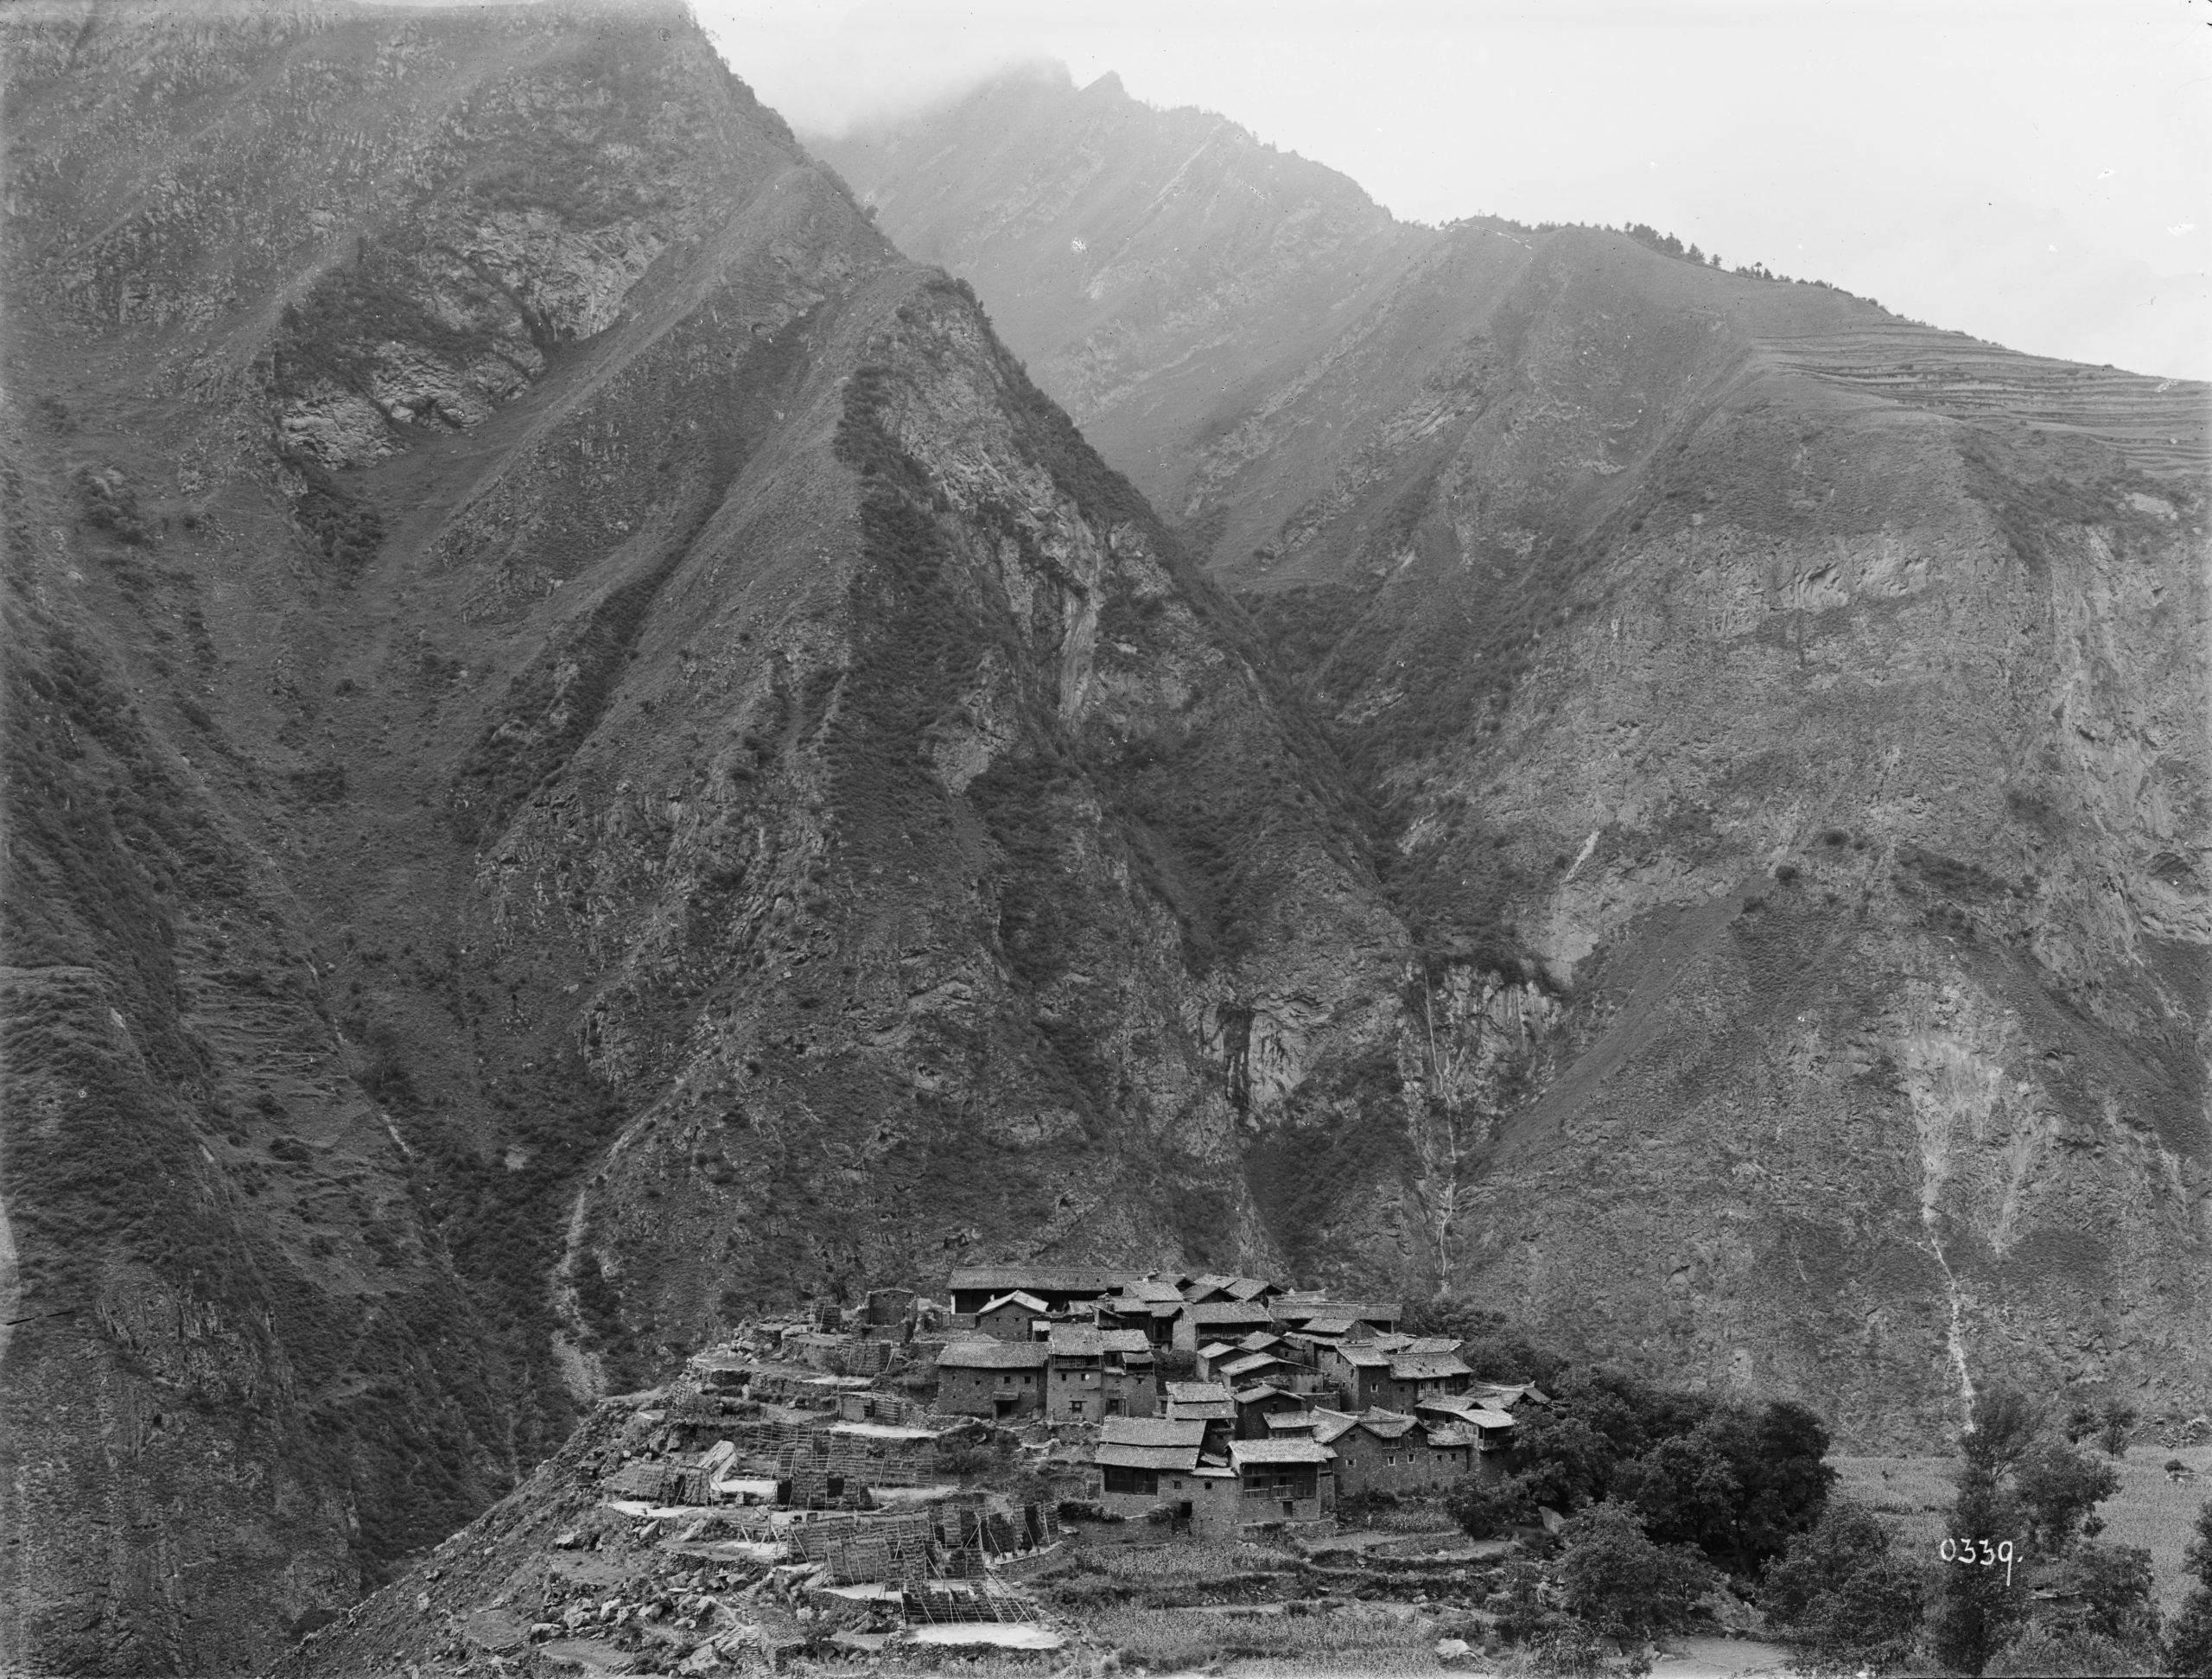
614,724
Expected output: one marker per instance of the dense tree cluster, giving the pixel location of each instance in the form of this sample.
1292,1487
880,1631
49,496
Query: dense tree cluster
1669,1496
1730,1482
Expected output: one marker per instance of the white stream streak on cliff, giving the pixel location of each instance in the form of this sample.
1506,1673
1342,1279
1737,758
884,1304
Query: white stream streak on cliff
582,1372
1956,1339
1945,1078
11,1293
1436,1133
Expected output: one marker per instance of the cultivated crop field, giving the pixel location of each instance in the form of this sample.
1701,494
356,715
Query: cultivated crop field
2148,1510
1362,1640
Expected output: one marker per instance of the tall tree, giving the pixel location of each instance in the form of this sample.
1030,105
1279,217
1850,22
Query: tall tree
1975,1607
1842,1596
2188,1637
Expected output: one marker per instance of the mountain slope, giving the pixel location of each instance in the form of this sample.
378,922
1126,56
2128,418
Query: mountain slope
586,752
1161,271
1815,703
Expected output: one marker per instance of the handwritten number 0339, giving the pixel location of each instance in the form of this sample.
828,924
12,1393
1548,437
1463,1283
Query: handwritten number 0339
1963,1551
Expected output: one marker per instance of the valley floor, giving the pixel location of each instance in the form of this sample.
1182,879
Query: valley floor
2152,1508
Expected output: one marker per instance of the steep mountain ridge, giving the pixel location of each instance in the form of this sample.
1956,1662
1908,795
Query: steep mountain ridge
587,752
1813,701
1132,254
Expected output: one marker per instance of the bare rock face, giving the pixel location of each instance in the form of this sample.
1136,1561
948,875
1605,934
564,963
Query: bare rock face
1807,706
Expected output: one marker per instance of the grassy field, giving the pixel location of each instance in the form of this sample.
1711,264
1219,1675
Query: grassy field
1357,1640
2148,1510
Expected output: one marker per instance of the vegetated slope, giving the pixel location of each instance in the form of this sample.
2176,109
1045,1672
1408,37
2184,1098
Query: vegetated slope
1813,703
586,752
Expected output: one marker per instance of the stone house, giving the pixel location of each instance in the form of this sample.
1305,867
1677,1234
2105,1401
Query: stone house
991,1378
971,1287
1359,1370
1258,1405
1012,1317
1150,1303
1389,1452
1490,1432
888,1308
1144,1462
1415,1377
1219,1321
1292,1480
1097,1373
1244,1369
1209,1402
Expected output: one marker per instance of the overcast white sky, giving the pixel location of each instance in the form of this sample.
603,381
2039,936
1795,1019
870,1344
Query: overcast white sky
2033,172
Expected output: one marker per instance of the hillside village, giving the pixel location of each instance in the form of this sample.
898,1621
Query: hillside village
1292,1400
911,1471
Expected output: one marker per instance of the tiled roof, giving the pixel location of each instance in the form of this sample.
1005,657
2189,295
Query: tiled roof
1364,1356
1431,1344
1450,1404
1028,1302
1226,1311
1376,1311
1386,1425
1150,1289
1426,1366
1294,1450
1328,1325
1292,1421
1328,1425
1216,1349
1246,1288
1261,1340
993,1355
1197,1393
1152,1431
1219,1405
1081,1340
1114,1454
1503,1396
1260,1390
1245,1364
1206,1410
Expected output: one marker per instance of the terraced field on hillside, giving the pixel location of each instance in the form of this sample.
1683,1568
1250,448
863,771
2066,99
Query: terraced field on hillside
2163,426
